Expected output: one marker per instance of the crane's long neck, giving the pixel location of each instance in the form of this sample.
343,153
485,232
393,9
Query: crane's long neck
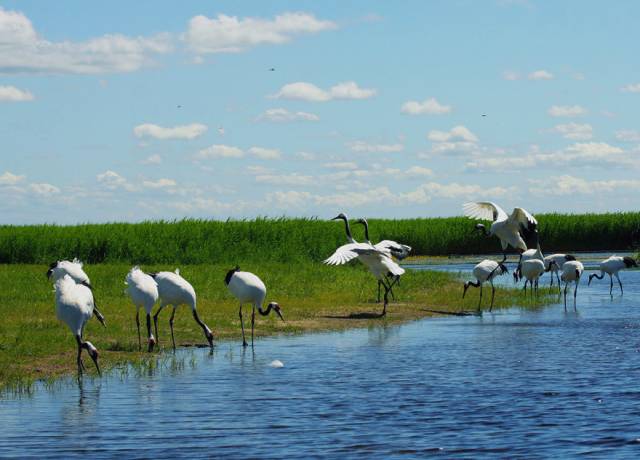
366,230
264,312
348,230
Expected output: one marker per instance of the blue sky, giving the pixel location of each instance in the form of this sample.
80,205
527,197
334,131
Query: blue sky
144,110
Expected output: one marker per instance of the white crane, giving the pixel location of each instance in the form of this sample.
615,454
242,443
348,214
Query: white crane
397,250
531,270
143,291
507,228
485,271
174,290
611,267
248,288
73,268
74,307
571,272
554,264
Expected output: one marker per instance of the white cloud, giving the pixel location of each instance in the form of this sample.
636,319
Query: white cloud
566,111
152,160
540,75
113,181
160,183
628,135
501,164
177,132
8,178
220,151
286,179
310,92
631,88
418,171
25,51
429,106
575,131
567,185
230,34
13,94
457,132
341,165
283,115
289,198
265,154
361,146
44,190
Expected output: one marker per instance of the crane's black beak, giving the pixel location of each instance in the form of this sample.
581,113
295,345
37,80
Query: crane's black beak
279,313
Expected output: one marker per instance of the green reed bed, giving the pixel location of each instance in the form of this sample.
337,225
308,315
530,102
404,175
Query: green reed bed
284,240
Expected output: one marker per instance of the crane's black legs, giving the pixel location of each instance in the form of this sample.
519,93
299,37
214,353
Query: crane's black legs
620,283
244,342
493,294
566,284
138,325
173,313
79,358
155,321
152,341
253,320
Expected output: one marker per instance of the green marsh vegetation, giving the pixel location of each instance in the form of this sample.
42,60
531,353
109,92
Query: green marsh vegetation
293,240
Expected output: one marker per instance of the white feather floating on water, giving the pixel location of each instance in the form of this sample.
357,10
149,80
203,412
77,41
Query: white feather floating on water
276,363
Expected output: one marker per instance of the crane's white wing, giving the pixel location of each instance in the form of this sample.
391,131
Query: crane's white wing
484,210
522,217
397,250
343,254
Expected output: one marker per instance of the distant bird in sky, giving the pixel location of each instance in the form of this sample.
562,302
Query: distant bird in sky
272,69
143,291
74,307
73,268
484,114
248,288
571,272
174,290
179,107
611,267
508,228
485,271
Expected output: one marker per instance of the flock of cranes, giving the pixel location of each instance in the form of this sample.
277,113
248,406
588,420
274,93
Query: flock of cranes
75,302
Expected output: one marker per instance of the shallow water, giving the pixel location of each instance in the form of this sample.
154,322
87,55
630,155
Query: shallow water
511,384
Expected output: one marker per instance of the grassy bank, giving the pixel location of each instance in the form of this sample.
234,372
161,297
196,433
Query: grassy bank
35,345
292,240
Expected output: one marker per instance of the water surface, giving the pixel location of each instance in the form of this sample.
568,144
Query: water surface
510,384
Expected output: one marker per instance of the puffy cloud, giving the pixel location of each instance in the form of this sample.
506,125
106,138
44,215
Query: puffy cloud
177,132
309,92
160,183
566,111
220,151
7,178
500,163
361,146
230,34
265,154
13,94
44,190
25,51
286,179
418,171
628,135
540,75
430,106
283,115
307,156
631,88
575,131
569,185
113,181
457,132
341,165
289,198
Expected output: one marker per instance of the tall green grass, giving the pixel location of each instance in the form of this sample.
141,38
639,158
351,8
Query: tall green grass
288,240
